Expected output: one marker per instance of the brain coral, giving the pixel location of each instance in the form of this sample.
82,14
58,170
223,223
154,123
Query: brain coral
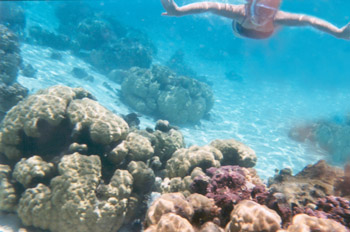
76,200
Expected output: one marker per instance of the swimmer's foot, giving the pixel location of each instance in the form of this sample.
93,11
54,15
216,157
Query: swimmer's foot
170,7
345,32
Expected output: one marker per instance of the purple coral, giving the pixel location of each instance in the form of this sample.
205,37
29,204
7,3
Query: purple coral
228,186
331,207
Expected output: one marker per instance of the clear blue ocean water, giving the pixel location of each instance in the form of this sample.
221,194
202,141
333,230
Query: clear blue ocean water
297,75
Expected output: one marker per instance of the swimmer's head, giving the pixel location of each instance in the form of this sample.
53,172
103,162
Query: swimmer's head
262,11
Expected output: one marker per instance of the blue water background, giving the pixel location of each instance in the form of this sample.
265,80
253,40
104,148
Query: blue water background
299,74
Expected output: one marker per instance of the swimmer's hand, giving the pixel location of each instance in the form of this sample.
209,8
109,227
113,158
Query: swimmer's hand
170,7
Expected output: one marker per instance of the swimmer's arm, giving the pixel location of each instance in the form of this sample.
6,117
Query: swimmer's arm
235,12
283,18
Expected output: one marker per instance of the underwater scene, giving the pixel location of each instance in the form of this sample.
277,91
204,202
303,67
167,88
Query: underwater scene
175,115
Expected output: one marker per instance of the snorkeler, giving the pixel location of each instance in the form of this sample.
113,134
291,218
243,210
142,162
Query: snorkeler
257,19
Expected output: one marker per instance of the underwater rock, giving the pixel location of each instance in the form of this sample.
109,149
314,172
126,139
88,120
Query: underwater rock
27,170
10,95
250,216
184,160
331,135
10,55
56,55
235,153
8,198
132,119
79,73
71,202
40,36
159,92
29,71
178,65
42,123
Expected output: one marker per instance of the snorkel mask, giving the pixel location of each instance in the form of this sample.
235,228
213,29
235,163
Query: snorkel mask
261,13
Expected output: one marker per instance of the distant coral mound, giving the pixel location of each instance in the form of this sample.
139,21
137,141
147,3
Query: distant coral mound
161,93
11,92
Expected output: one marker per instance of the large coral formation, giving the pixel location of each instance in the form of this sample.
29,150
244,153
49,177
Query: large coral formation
39,114
73,202
235,153
10,91
159,92
250,216
10,55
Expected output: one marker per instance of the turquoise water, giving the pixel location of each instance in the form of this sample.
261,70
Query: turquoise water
299,74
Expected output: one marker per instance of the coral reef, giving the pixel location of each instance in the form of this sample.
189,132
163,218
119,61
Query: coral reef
159,92
10,55
235,153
